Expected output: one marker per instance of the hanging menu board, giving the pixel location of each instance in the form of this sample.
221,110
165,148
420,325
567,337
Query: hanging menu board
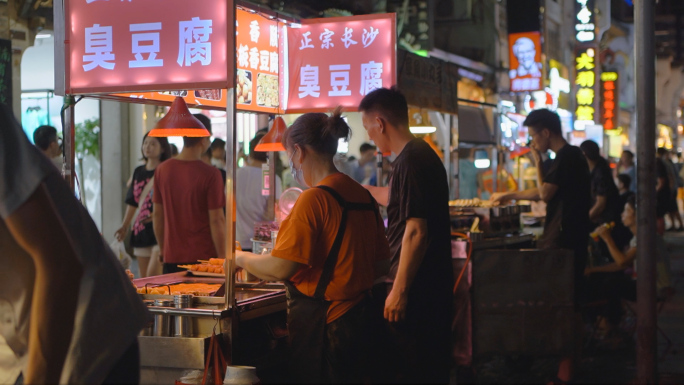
257,42
337,61
126,46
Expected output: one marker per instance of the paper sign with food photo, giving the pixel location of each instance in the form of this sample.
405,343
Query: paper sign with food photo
243,89
257,41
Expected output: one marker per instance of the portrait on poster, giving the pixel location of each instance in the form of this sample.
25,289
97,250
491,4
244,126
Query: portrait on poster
526,68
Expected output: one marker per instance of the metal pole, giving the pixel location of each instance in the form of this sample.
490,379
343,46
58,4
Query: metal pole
644,44
270,212
231,166
69,134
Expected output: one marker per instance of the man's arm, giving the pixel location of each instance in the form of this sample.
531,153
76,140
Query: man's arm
217,223
37,228
531,194
158,226
413,247
598,208
381,194
546,190
266,266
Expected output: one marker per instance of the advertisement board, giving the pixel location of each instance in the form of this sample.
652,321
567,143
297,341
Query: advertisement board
122,46
257,41
337,61
609,100
527,71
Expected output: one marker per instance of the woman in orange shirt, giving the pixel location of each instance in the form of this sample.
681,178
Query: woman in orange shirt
329,251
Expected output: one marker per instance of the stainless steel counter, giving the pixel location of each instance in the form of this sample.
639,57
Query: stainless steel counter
458,247
163,359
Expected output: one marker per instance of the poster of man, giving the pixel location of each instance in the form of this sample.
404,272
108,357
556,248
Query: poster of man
526,72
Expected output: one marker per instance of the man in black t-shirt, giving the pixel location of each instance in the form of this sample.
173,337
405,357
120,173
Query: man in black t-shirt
418,306
566,189
605,197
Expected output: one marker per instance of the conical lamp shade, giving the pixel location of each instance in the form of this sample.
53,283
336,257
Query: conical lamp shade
272,141
179,122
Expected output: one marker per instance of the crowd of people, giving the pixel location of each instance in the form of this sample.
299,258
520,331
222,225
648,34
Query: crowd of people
367,302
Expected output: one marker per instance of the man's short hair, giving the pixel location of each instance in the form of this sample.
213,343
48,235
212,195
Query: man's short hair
662,151
43,136
591,150
389,103
367,147
204,119
218,144
257,155
629,154
193,141
543,118
625,179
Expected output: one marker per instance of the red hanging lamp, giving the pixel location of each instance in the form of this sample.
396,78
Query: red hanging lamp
273,140
179,122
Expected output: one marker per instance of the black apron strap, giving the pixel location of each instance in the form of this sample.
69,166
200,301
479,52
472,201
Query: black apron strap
331,260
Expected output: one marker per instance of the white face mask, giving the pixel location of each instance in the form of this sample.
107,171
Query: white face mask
218,163
298,175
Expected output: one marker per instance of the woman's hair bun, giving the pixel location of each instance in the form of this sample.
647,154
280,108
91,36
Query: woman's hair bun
335,125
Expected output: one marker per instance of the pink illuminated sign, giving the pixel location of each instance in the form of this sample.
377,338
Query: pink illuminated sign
337,61
147,45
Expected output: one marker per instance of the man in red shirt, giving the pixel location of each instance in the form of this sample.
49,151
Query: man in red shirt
188,207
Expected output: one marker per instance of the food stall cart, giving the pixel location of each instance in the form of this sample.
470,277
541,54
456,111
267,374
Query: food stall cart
139,57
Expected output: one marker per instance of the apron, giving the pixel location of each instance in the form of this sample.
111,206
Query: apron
307,316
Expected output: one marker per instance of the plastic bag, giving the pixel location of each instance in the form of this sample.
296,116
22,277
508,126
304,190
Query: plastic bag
119,250
192,377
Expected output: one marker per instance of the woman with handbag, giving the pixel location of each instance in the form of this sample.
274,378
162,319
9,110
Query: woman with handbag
139,206
328,252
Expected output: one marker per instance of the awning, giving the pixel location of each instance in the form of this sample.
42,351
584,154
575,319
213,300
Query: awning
473,126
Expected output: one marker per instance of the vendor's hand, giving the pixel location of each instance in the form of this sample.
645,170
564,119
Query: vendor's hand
395,306
130,275
499,198
588,271
120,234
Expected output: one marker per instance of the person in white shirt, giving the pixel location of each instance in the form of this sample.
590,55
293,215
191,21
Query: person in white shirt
252,205
69,312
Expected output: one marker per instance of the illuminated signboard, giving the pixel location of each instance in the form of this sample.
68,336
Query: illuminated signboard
526,71
337,61
119,46
585,78
609,100
584,21
257,43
